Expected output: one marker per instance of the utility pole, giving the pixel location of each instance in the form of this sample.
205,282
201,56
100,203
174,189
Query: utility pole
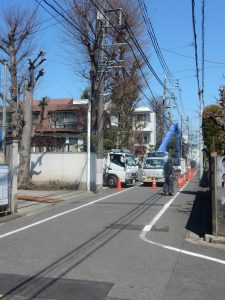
188,137
4,104
164,106
181,137
100,121
200,136
90,102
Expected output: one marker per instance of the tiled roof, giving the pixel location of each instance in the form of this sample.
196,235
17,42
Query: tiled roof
59,101
59,104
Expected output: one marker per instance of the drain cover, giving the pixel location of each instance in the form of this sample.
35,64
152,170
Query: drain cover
160,228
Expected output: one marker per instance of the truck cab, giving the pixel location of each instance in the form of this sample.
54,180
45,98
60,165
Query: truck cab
119,163
153,168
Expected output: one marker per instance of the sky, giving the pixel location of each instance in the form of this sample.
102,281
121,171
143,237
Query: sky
172,23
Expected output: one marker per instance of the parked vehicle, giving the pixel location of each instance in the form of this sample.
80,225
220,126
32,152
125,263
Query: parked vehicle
120,163
153,169
154,162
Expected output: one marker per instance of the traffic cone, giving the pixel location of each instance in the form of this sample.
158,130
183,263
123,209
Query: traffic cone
182,180
118,185
179,185
188,175
153,184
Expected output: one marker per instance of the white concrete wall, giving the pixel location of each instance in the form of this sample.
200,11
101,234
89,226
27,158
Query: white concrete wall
64,167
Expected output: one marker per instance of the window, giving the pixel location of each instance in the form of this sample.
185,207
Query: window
73,141
140,118
117,159
72,146
35,117
63,120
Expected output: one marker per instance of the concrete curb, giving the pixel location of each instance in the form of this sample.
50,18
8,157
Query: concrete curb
208,240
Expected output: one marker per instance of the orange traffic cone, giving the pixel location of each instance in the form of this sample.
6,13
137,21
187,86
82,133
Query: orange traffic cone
153,184
182,180
118,185
179,184
188,175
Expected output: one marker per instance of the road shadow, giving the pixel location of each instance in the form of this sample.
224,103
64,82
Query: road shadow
200,220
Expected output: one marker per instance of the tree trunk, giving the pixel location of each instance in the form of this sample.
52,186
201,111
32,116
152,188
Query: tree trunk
24,167
13,92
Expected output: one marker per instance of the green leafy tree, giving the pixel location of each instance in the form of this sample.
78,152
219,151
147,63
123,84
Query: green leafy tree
213,130
86,93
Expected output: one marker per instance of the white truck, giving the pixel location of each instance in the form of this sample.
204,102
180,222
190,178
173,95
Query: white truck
120,163
153,169
153,164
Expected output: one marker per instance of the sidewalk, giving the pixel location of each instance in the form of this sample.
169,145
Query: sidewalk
32,198
30,202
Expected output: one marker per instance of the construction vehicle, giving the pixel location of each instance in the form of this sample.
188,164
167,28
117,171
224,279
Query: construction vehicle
154,162
119,163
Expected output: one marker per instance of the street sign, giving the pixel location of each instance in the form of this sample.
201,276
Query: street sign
4,184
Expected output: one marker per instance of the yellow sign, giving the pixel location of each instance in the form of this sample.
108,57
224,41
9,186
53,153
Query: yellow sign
148,179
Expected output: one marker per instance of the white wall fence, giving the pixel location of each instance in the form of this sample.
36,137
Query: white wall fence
69,168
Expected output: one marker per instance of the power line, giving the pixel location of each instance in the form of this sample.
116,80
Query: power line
153,38
149,65
140,51
159,53
82,33
195,45
203,49
131,50
146,59
191,57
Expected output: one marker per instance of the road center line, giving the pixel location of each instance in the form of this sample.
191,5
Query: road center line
60,214
149,226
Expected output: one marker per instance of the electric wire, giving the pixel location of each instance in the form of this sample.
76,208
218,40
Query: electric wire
136,59
142,53
153,38
196,47
191,57
144,57
203,50
77,28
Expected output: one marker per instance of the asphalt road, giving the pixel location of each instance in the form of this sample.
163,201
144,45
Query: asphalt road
129,245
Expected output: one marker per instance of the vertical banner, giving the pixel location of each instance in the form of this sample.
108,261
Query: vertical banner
4,184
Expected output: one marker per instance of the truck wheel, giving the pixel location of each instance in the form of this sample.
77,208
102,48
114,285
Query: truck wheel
112,181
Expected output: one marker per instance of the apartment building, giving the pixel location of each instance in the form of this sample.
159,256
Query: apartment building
144,129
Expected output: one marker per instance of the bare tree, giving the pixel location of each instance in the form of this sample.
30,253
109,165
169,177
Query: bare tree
27,128
16,34
158,107
122,68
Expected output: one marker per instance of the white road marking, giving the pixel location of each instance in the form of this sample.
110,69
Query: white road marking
149,226
60,214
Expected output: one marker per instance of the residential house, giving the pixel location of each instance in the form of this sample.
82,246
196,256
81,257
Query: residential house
62,126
